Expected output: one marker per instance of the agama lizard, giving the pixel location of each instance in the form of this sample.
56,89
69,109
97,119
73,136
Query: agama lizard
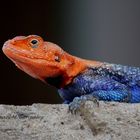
77,79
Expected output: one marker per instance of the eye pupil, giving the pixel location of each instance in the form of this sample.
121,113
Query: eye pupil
34,42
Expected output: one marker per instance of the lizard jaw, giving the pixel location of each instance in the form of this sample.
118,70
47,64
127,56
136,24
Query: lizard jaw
24,61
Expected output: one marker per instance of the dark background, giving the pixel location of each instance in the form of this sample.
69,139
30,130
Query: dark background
104,30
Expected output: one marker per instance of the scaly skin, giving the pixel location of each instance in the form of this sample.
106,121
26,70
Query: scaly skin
77,79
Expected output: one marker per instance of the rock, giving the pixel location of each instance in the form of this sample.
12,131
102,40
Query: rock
109,121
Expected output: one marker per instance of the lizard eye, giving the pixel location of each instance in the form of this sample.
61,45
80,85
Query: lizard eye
34,43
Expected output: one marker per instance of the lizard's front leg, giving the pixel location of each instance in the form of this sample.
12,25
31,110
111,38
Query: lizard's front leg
113,95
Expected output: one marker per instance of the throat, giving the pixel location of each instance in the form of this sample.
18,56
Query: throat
55,81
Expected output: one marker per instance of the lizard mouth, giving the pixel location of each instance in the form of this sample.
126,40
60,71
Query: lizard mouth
24,60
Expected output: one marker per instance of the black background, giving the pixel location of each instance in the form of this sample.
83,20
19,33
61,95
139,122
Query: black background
93,29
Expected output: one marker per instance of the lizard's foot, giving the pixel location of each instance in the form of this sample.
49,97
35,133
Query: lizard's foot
79,102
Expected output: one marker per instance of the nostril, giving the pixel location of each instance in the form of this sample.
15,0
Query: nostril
7,44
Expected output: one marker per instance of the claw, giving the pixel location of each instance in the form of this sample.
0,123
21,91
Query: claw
74,106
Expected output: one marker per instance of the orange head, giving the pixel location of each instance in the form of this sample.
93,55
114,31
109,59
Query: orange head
43,60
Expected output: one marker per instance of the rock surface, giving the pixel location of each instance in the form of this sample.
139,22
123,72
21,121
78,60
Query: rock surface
109,121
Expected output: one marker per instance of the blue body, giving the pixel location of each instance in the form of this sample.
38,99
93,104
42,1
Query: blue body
108,82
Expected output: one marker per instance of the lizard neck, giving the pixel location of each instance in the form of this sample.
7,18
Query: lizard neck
74,67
